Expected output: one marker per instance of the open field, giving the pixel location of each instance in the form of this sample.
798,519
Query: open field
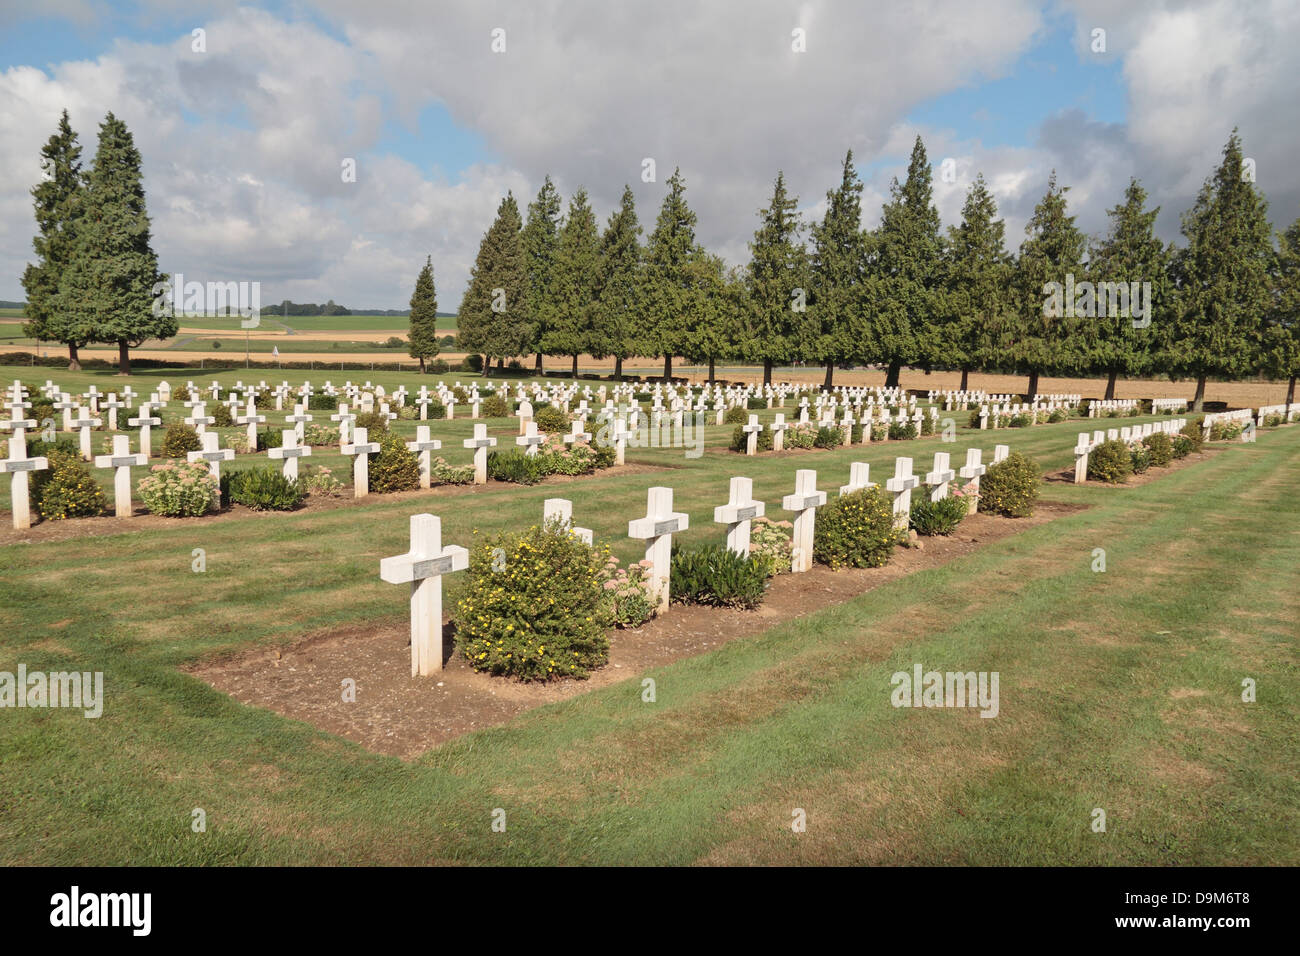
1120,690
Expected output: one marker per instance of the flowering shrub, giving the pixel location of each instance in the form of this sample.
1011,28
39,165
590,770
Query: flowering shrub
319,480
447,474
395,467
801,436
1141,458
494,406
770,545
533,606
317,435
67,489
551,420
1110,462
179,489
855,530
1010,487
1225,430
179,439
1183,446
1161,447
626,602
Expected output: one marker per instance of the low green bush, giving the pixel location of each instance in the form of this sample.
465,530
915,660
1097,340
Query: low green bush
263,488
551,421
904,431
179,489
735,416
375,423
179,439
828,436
67,489
1058,415
221,416
1161,448
801,436
516,467
1225,430
1140,457
1194,431
1183,446
494,406
740,440
319,402
855,530
1109,462
716,576
1010,487
446,474
755,402
274,437
1022,420
394,467
937,517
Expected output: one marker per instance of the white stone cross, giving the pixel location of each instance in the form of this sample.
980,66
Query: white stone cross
901,486
621,435
525,416
84,425
576,434
424,446
251,419
361,448
67,406
657,529
200,418
751,434
561,510
18,465
18,424
123,461
737,513
971,471
937,480
345,420
530,439
481,442
299,420
145,421
1000,453
1081,450
804,503
846,426
210,453
778,428
423,567
112,405
859,478
290,451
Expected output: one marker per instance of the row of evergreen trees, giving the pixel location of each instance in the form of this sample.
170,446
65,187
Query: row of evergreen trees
1226,304
95,273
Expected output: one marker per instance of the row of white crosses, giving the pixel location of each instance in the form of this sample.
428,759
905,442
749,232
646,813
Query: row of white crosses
1088,443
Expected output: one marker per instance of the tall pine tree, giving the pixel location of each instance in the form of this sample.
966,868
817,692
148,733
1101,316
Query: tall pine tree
618,284
907,261
569,316
493,316
1282,339
1221,278
423,335
1131,252
541,245
57,201
664,300
111,279
1037,340
778,271
714,324
836,267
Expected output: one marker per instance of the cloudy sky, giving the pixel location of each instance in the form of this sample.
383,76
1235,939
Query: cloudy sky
244,139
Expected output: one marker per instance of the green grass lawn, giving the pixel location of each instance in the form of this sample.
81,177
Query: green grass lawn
1118,690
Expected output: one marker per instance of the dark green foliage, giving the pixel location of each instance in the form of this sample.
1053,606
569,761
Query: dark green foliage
569,313
540,242
423,334
1140,457
262,489
735,416
269,438
619,284
937,517
437,411
902,432
755,403
855,530
1022,420
221,417
319,401
836,271
395,467
1183,446
506,330
494,406
1110,462
740,440
550,420
828,436
1010,488
718,577
1194,431
180,439
778,267
375,423
516,467
69,490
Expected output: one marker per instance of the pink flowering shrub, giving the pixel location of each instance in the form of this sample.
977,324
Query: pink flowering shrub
179,489
624,593
770,545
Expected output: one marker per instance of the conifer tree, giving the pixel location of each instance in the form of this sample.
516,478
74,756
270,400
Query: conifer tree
713,309
493,316
778,275
907,261
1221,277
1036,338
664,312
541,245
1122,344
569,316
836,281
977,286
423,336
112,279
618,283
1282,336
57,202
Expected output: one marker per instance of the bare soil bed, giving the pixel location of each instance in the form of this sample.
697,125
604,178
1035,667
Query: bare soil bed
403,716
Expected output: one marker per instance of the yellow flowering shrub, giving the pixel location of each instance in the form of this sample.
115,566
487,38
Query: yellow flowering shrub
533,605
67,490
855,530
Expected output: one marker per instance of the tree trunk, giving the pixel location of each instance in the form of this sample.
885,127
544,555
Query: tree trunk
421,364
539,363
575,365
618,368
891,374
668,367
487,366
1110,385
501,365
830,376
74,363
1290,392
965,379
711,373
1198,403
1033,384
767,371
123,358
